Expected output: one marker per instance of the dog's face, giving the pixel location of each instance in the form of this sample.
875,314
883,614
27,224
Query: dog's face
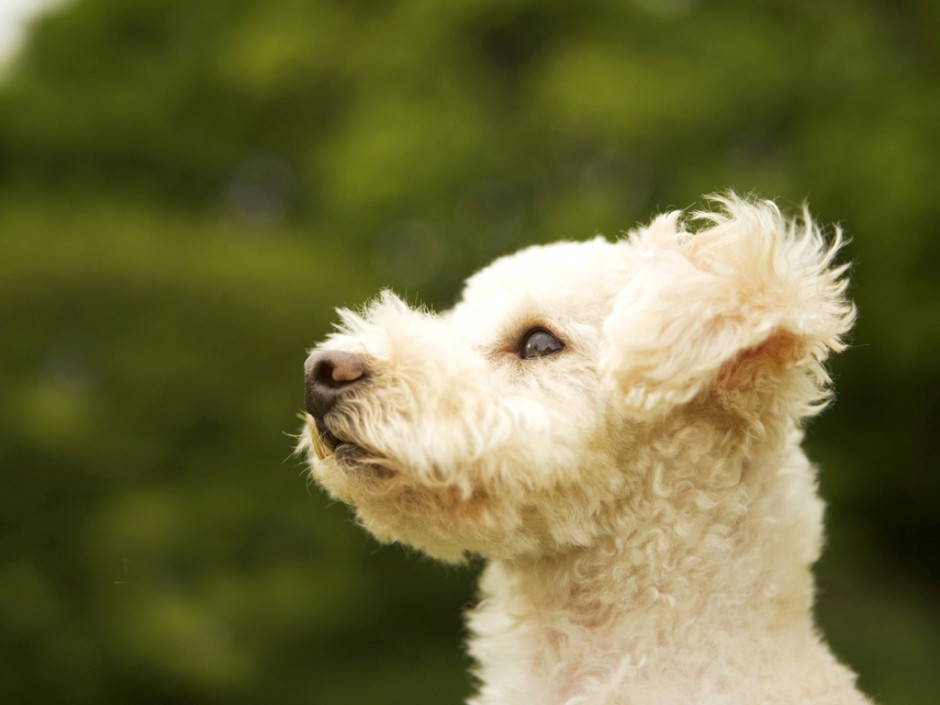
519,422
468,429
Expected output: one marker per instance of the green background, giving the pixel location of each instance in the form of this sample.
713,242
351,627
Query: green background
188,187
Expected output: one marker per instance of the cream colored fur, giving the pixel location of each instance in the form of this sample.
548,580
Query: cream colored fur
646,510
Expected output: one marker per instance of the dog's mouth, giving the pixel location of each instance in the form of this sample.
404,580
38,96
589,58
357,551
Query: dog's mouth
326,444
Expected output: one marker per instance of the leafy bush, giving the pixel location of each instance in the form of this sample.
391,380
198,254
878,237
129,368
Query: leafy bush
187,187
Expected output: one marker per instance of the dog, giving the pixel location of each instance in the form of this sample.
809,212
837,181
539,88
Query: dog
615,427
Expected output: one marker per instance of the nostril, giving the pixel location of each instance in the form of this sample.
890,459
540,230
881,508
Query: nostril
338,370
323,375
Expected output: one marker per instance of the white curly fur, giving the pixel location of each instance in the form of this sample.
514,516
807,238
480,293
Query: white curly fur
648,516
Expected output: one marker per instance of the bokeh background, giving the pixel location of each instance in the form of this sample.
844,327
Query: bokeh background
188,187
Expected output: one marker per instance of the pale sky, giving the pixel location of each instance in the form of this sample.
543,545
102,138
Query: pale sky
14,15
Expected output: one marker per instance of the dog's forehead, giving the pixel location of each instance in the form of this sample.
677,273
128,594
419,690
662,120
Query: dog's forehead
576,279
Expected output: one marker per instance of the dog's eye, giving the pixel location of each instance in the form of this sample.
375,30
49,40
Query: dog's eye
538,342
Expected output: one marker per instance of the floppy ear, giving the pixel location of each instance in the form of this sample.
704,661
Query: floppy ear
747,308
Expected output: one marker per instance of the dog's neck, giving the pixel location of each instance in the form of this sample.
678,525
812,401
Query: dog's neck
690,581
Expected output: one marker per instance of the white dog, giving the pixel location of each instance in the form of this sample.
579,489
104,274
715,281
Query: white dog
615,426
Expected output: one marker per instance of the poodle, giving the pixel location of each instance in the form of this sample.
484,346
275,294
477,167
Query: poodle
615,427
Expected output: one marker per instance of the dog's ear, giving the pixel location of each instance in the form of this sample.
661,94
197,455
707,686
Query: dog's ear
746,308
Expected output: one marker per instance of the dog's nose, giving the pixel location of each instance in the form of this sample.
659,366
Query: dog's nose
328,374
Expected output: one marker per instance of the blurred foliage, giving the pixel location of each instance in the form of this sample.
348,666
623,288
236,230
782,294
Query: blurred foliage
187,187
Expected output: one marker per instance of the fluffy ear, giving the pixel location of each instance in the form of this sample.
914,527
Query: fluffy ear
748,307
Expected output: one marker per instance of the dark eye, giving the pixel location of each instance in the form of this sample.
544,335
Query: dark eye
538,342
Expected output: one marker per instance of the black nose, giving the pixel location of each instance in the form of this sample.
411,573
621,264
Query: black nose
328,374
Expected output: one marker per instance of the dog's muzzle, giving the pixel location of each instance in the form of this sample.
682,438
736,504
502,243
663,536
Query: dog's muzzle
329,376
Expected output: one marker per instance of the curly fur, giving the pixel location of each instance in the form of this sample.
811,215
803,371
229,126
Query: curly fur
648,516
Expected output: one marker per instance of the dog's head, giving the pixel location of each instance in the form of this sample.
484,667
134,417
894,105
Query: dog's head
533,414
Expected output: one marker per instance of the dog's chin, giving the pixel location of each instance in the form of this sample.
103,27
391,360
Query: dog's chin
354,458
